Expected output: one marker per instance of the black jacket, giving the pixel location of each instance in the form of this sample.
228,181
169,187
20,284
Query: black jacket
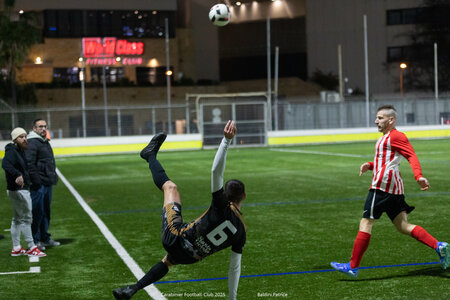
15,165
41,162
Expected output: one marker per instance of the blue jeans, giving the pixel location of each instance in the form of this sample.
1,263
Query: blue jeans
41,200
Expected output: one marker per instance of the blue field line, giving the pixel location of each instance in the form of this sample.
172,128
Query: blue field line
275,203
296,273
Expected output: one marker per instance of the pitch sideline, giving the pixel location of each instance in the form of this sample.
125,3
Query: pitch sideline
121,251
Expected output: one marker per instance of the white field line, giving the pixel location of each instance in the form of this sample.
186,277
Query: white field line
32,259
318,152
32,270
123,254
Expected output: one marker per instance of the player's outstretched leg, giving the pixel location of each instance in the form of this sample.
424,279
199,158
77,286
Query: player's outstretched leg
124,293
153,147
157,272
346,269
149,154
443,250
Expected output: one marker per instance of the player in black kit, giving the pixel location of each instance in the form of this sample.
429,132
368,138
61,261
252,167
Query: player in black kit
221,226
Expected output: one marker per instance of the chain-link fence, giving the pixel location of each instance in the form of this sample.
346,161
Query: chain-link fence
297,116
138,120
113,121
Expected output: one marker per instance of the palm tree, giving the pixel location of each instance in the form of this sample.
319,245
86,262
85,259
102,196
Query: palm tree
17,35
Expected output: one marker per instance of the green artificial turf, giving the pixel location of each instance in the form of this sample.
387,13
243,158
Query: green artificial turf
302,211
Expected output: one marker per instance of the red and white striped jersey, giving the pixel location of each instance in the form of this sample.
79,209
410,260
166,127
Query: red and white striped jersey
389,150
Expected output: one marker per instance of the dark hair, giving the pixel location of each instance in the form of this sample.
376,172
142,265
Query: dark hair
235,190
37,120
390,110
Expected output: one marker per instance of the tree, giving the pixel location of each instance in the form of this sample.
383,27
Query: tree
17,35
433,26
327,81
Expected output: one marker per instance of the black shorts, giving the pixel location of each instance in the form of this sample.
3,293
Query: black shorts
378,202
179,250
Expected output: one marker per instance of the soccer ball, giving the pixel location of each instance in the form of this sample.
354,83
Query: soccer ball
220,14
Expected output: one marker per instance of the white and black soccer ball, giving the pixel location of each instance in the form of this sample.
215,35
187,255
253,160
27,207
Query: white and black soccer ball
220,14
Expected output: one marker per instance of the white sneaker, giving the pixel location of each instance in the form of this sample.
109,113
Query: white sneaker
36,252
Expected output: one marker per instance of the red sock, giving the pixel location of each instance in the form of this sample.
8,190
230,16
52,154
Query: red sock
424,237
361,243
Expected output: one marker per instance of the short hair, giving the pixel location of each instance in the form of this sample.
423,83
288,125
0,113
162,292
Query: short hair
37,120
234,190
390,110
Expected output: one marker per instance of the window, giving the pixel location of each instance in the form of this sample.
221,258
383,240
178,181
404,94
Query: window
409,53
112,74
405,16
118,23
151,76
66,75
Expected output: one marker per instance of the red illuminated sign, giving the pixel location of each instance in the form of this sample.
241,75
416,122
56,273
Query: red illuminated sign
110,47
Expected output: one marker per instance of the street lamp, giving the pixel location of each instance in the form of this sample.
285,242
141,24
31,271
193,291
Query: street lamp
82,74
403,66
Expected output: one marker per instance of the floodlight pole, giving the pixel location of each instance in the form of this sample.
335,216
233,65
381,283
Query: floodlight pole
436,82
105,102
341,84
366,68
275,87
169,112
269,77
83,95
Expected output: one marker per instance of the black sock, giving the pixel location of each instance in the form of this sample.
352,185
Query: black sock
157,272
158,173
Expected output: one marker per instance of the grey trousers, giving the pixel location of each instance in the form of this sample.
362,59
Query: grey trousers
22,217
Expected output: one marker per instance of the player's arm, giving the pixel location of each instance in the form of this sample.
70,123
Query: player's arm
218,167
9,167
365,167
400,143
234,272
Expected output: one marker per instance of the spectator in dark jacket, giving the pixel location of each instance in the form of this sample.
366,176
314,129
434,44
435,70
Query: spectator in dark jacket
41,165
17,184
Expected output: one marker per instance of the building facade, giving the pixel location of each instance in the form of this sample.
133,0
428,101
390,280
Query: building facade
332,23
307,34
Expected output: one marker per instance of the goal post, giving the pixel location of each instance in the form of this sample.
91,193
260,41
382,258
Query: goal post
208,112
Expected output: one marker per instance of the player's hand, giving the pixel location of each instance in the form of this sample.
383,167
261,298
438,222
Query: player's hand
424,184
19,181
230,130
364,167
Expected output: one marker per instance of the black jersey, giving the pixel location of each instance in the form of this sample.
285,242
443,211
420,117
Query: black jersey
219,227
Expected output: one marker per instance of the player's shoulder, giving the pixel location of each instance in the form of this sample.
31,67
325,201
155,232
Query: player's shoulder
398,135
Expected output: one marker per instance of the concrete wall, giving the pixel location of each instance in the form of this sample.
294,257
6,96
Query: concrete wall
329,23
205,41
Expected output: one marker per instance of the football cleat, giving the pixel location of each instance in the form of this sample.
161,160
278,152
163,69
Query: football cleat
36,252
345,268
124,293
19,252
154,145
444,252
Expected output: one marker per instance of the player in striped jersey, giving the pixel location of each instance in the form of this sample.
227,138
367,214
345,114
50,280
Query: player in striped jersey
386,192
220,227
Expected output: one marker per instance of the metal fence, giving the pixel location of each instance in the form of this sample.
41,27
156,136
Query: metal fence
115,121
138,120
411,112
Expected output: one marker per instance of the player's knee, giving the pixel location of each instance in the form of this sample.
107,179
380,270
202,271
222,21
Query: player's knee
170,186
404,228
